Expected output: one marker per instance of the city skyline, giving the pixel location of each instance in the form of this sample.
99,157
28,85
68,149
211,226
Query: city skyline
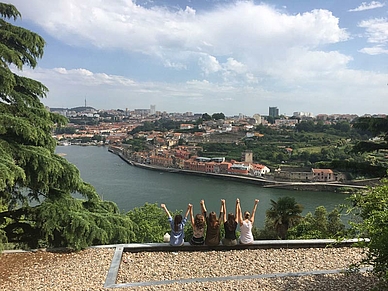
203,56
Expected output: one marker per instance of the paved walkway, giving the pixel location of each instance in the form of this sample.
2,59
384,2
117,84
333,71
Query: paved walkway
117,258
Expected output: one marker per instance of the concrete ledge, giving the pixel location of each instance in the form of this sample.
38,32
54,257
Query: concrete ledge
258,244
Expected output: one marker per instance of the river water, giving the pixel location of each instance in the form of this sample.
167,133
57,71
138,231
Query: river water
131,187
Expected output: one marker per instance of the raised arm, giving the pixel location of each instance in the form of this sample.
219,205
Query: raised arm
166,210
188,210
236,213
223,209
203,208
240,218
191,215
254,210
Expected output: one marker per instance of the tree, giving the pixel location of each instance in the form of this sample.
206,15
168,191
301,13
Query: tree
284,214
30,171
206,117
319,225
372,207
378,127
217,116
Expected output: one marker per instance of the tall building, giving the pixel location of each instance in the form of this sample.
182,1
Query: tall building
152,109
273,112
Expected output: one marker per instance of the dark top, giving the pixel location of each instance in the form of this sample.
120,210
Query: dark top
230,234
213,234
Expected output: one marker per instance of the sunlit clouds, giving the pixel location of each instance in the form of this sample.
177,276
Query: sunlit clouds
234,56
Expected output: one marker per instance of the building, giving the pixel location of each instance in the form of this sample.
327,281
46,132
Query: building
273,112
323,175
152,109
247,156
303,114
257,117
142,112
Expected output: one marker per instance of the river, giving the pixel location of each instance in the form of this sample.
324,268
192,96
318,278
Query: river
131,187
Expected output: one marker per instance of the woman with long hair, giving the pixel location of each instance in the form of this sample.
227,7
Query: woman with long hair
177,236
230,225
246,223
213,226
198,224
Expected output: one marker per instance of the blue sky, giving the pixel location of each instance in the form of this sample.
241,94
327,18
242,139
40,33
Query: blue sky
213,55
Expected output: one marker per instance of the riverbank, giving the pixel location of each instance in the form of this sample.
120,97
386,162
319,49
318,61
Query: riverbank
298,186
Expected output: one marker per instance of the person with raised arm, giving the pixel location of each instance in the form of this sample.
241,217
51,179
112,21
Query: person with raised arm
198,224
246,223
177,237
230,225
213,226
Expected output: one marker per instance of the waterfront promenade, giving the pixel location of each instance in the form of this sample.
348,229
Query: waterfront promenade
269,183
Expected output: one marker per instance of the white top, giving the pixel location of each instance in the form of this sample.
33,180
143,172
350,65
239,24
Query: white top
246,236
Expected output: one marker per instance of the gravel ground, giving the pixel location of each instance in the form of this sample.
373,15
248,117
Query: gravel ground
87,270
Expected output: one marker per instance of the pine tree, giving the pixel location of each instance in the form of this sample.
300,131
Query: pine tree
30,171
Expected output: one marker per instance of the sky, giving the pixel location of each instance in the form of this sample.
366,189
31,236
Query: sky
211,56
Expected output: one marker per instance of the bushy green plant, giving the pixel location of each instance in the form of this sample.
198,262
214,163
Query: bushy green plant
150,223
318,225
372,208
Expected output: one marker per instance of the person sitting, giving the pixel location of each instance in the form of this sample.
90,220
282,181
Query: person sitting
246,223
213,226
230,226
198,224
177,237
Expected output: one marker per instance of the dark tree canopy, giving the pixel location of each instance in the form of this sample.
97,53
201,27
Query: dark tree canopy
217,116
30,171
378,127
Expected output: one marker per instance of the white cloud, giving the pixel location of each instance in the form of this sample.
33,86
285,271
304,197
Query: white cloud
376,29
209,64
235,66
301,65
377,50
367,6
239,57
183,37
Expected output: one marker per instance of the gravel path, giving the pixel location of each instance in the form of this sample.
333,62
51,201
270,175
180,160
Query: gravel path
87,270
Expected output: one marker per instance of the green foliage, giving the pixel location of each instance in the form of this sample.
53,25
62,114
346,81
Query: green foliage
378,127
206,117
283,214
372,208
360,168
320,225
217,116
151,223
65,130
137,144
78,223
158,125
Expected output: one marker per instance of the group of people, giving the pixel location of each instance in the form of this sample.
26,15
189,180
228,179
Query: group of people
207,226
